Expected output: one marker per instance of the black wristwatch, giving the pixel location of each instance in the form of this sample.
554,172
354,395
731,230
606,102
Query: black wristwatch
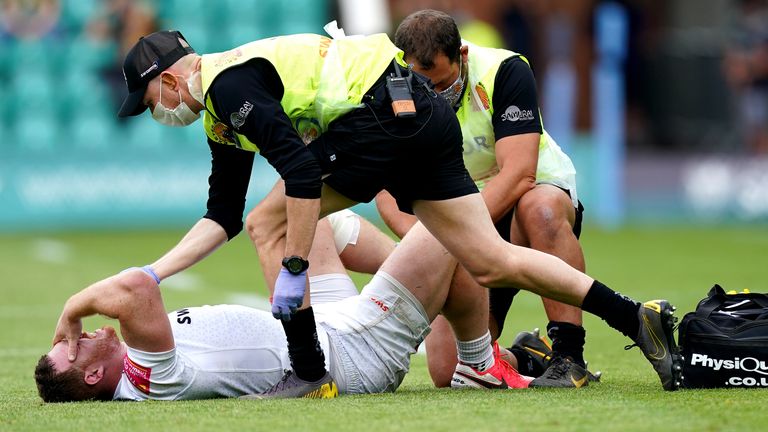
295,264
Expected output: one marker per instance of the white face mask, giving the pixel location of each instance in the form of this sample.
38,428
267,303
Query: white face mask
453,93
195,86
182,115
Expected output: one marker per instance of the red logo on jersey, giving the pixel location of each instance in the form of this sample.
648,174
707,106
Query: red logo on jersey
380,303
137,375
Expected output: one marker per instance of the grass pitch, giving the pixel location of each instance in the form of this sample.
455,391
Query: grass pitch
40,271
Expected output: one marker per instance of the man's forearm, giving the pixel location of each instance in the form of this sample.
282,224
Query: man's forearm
98,298
517,157
500,198
290,289
302,222
111,297
204,238
132,297
101,298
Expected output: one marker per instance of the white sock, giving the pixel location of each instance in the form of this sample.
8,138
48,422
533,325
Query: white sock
477,353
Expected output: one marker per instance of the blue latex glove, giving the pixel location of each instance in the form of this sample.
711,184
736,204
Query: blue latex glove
289,294
146,269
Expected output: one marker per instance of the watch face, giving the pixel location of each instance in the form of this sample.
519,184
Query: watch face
295,264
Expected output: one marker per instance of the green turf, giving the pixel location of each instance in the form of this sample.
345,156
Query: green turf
679,263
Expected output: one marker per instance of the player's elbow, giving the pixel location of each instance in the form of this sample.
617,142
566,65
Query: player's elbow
231,224
132,288
135,282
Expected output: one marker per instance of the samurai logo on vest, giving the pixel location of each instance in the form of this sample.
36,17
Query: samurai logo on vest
513,114
237,118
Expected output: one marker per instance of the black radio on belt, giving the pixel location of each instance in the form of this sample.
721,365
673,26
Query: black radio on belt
401,92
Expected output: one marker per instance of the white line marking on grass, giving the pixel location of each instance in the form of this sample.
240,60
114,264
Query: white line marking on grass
183,282
50,251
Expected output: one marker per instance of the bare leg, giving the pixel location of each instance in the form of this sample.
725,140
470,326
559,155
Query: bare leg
464,227
323,257
328,279
488,256
370,251
425,267
544,220
441,352
422,265
266,225
494,262
466,308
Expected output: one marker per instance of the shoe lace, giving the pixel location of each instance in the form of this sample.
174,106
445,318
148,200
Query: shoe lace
503,365
280,385
557,368
506,367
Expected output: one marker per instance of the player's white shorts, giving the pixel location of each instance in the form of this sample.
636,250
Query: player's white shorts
373,335
331,287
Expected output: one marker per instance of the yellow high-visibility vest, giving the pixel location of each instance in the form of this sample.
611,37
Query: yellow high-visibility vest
474,114
323,79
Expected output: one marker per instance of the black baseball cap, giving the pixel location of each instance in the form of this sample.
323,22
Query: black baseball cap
147,59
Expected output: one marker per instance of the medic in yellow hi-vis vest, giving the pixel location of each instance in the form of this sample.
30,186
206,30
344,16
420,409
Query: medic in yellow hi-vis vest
323,78
554,167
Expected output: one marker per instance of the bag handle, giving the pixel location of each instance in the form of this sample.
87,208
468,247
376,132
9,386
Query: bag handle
717,297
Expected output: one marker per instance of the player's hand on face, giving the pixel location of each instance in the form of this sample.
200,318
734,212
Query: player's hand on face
70,330
289,294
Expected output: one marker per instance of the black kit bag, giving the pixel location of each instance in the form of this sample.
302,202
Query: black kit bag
724,343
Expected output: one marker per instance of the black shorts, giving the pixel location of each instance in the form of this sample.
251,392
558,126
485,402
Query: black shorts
500,299
369,149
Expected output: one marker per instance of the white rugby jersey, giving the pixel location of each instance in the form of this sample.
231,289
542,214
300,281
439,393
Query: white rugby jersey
221,351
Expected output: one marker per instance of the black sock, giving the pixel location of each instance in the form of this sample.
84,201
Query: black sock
618,311
307,359
525,363
567,340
